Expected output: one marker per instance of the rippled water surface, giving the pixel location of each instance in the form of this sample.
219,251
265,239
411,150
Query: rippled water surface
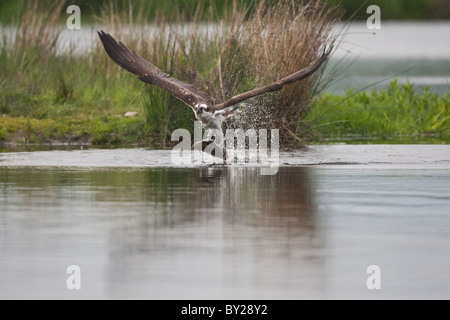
140,228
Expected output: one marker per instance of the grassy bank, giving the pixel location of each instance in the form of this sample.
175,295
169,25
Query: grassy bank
102,131
397,114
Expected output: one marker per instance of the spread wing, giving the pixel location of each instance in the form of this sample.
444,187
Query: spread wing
299,75
149,73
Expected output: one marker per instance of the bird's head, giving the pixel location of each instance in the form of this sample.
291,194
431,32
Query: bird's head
202,109
210,119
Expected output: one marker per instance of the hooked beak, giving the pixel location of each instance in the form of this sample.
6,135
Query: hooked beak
199,110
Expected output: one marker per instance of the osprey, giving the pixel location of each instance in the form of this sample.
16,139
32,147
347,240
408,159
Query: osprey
209,114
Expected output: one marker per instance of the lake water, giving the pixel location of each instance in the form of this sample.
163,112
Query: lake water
139,227
417,52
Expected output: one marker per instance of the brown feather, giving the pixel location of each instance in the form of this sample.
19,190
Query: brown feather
149,73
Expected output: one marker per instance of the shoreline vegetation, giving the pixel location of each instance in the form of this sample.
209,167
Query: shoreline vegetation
11,11
82,100
365,117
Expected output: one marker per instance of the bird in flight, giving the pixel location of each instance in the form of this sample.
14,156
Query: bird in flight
209,114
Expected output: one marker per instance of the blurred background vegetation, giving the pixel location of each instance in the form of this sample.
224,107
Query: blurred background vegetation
12,10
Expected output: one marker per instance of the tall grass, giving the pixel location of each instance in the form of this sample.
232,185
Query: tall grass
247,47
71,90
276,41
26,61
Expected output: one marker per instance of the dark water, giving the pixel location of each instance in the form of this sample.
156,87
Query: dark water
309,231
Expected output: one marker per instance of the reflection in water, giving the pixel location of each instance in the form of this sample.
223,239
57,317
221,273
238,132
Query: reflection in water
218,228
218,232
226,232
